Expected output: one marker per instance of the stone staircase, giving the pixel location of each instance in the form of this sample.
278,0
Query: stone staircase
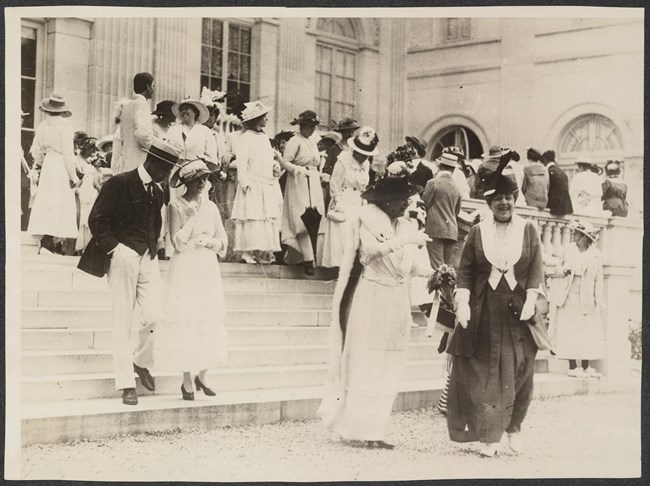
278,326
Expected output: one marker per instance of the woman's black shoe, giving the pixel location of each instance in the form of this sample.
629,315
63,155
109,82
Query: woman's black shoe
309,268
200,386
187,395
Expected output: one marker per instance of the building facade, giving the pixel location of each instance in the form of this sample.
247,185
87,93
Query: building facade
574,85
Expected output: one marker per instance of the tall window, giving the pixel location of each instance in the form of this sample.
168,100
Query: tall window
591,133
226,60
458,29
335,69
457,136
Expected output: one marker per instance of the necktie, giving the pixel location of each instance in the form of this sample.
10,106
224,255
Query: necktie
151,230
150,190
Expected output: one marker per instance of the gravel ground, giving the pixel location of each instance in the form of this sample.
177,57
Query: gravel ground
580,436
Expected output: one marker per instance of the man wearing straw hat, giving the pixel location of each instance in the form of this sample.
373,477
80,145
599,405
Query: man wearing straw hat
136,125
125,223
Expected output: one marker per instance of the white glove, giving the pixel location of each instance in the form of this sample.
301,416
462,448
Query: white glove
528,310
201,240
463,311
418,238
214,244
325,177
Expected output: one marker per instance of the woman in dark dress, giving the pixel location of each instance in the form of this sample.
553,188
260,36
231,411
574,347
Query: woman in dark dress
491,383
614,190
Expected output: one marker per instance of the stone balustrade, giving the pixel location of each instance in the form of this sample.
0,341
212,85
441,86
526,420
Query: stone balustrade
621,243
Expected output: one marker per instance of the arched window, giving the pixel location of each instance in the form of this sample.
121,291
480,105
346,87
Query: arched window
335,68
591,133
458,136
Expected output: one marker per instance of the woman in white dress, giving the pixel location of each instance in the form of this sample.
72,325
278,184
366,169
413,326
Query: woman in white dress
586,188
368,349
578,328
301,160
257,209
349,179
54,212
193,338
190,137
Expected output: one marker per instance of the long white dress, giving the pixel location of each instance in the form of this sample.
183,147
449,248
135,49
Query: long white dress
349,179
586,191
54,211
300,193
257,212
364,379
193,336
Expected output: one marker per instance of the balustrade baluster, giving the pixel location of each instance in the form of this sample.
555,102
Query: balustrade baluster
557,239
546,236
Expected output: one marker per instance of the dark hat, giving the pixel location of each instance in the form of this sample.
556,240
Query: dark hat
613,167
403,152
346,123
190,170
533,154
79,136
586,160
161,150
498,183
419,145
88,142
457,151
284,135
164,108
549,156
390,188
495,152
307,117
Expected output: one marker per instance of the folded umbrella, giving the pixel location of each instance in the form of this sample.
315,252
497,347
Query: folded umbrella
311,219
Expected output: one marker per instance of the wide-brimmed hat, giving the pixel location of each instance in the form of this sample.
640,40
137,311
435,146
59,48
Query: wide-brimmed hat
161,150
336,137
499,183
212,97
204,114
586,228
448,159
534,155
101,143
587,160
164,108
390,188
346,123
495,152
452,149
79,136
307,117
254,109
190,170
419,145
55,104
87,142
365,142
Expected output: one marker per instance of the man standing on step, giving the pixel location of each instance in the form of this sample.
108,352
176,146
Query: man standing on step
125,223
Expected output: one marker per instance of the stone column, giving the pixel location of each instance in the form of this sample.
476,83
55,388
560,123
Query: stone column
264,65
68,51
517,85
172,66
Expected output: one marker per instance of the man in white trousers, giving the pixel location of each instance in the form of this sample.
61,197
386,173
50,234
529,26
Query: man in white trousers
125,223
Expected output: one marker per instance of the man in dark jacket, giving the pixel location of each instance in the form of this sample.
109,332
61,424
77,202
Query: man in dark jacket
559,200
125,223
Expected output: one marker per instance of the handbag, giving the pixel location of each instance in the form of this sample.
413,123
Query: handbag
537,330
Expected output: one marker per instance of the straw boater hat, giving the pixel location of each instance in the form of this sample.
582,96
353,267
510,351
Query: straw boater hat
190,170
390,188
55,104
587,160
366,142
586,228
307,117
457,151
161,150
254,109
448,159
101,144
419,145
204,114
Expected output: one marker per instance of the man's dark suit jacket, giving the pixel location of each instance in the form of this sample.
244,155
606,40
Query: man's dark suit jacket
559,200
124,212
420,176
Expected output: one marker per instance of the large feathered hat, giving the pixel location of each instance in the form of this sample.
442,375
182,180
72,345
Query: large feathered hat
499,183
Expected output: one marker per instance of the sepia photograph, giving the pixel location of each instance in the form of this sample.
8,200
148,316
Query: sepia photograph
252,244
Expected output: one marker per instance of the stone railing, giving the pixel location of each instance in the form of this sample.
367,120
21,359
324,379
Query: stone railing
621,244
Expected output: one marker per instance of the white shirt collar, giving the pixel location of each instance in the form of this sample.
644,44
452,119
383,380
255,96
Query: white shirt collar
144,175
550,164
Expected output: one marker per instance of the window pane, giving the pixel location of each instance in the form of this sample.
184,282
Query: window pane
233,65
205,81
205,59
216,63
27,94
245,41
217,33
326,60
245,66
349,66
339,62
233,38
28,57
215,83
205,31
325,86
237,96
336,90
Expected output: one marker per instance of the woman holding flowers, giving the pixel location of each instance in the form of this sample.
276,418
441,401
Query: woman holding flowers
493,350
370,338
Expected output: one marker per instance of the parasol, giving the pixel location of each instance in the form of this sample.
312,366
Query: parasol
311,219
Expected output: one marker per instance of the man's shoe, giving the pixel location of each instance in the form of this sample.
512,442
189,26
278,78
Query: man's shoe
145,377
129,396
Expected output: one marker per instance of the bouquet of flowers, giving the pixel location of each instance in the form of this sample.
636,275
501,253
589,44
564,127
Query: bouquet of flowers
403,153
443,281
